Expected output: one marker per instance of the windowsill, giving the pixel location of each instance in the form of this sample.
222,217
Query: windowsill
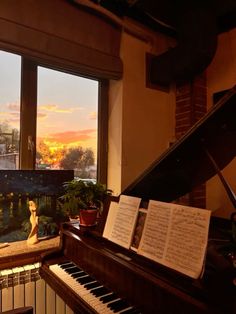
19,253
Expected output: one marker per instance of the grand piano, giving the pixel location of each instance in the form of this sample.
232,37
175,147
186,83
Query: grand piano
94,275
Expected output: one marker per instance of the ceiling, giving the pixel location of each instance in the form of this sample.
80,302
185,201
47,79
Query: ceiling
166,15
195,24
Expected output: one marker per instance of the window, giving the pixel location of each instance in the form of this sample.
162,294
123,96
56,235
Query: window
10,65
49,119
59,125
66,123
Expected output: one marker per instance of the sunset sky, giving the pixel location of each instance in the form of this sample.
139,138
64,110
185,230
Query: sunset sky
67,104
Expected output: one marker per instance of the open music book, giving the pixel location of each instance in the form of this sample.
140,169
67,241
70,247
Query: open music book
121,220
176,236
170,234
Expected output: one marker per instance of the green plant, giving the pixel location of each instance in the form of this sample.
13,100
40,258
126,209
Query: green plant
81,194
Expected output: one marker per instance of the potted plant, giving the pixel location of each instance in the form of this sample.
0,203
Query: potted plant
84,200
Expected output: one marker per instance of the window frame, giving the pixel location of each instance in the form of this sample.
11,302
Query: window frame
28,113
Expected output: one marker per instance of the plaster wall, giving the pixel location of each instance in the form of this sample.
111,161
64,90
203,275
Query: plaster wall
221,75
115,136
141,120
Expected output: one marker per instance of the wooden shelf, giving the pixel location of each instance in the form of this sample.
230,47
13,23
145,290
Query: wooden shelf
19,253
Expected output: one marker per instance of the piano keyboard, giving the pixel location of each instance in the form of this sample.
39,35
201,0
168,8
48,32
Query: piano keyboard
101,299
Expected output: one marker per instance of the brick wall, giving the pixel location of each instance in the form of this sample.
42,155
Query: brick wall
191,104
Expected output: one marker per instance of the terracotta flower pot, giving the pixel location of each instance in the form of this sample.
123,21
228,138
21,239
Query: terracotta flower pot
88,217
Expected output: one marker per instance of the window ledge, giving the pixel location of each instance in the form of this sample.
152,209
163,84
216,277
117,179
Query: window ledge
19,253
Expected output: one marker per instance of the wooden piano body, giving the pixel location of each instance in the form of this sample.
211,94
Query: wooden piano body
146,285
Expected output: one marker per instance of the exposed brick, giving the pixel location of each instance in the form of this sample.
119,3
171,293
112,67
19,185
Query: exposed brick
181,117
182,108
183,114
182,129
191,101
183,89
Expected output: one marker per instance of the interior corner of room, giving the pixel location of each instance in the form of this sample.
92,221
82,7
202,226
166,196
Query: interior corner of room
159,69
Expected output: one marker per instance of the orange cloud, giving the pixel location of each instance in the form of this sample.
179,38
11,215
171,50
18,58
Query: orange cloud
10,117
93,115
13,121
41,115
14,106
14,114
55,108
72,136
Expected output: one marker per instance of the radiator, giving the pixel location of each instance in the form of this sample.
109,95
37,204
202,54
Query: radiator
22,286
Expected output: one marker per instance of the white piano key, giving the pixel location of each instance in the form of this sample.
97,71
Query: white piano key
80,289
103,307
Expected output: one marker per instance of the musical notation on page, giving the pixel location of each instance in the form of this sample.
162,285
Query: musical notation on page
121,220
176,236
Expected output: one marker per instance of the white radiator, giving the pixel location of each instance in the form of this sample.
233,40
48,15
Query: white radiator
22,286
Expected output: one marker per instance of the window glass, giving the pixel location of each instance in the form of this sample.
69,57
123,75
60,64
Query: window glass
10,73
67,123
66,138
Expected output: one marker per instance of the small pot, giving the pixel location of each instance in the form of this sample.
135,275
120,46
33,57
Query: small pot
88,217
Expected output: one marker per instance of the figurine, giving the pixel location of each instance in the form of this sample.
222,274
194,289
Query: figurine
33,236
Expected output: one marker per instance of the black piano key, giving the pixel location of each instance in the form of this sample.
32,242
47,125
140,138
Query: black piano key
100,291
131,311
92,285
67,266
71,270
118,305
85,280
78,275
108,298
121,306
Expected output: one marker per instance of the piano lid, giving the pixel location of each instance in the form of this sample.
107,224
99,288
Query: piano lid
186,163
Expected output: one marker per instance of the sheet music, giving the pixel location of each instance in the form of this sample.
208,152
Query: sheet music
123,220
176,236
110,219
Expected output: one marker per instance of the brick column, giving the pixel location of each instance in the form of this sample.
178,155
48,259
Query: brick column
191,105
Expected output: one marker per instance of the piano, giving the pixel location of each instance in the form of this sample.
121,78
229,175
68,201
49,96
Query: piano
94,275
